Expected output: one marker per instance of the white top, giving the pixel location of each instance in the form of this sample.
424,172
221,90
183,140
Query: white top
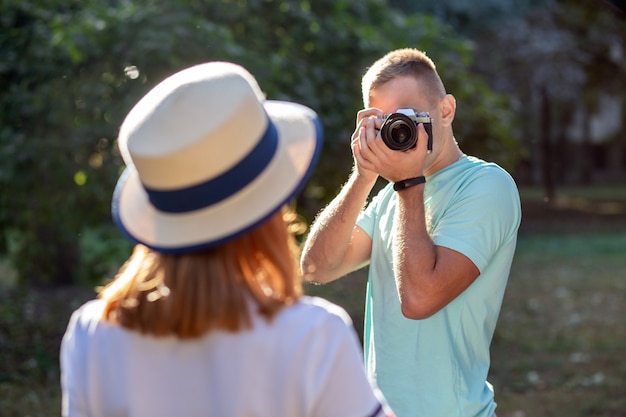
306,362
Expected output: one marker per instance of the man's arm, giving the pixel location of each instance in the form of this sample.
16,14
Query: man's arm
428,276
335,246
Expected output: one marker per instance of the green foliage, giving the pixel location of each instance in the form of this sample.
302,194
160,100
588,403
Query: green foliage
72,69
31,327
468,16
103,250
68,91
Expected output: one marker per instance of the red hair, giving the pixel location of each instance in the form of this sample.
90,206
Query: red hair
187,295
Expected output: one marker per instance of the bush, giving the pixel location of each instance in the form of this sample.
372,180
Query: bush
103,250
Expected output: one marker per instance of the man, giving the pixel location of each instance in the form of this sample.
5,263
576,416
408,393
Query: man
439,240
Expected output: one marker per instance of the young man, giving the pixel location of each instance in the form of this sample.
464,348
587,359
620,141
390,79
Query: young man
439,240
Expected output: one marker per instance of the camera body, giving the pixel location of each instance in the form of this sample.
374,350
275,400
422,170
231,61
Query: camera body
399,129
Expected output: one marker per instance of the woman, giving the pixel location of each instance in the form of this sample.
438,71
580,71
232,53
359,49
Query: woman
207,317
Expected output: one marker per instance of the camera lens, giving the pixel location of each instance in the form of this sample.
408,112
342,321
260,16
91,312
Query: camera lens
399,132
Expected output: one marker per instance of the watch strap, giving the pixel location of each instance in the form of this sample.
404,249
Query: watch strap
410,182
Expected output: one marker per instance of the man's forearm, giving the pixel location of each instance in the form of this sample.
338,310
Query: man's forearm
327,246
428,276
414,253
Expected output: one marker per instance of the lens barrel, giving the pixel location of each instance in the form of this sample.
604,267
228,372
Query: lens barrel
399,132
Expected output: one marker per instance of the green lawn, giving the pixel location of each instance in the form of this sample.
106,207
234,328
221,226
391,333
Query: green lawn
560,344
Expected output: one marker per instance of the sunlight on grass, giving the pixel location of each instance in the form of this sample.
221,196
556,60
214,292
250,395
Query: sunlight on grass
612,192
561,338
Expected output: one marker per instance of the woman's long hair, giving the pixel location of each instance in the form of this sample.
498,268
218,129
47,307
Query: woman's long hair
187,295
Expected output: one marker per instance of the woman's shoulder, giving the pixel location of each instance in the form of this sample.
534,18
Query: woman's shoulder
87,321
90,312
315,311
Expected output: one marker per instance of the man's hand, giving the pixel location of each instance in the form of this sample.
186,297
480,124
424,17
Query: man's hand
359,138
373,157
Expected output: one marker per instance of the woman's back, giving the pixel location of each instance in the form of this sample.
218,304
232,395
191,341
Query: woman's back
302,363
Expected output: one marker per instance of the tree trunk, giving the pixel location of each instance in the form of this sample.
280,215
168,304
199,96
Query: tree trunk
586,150
547,157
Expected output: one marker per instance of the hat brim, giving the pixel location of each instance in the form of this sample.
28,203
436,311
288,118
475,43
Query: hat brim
299,144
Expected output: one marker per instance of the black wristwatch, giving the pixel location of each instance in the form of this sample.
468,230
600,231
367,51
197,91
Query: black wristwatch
410,182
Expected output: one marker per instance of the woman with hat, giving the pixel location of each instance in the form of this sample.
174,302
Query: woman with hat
207,316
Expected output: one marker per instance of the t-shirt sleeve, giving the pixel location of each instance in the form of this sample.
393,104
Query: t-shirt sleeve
73,362
338,375
367,218
484,215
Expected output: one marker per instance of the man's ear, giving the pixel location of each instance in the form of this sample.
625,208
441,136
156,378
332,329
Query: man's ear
447,106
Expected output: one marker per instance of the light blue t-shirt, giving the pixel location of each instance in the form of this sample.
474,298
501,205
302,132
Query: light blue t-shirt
437,367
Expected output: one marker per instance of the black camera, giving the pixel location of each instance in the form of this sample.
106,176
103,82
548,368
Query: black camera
399,130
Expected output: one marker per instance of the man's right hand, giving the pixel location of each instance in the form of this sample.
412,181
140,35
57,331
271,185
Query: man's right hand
368,124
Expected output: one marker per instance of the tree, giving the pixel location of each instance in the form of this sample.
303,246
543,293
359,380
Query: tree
556,60
66,92
75,67
471,17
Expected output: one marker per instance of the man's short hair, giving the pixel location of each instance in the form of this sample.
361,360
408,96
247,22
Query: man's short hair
401,62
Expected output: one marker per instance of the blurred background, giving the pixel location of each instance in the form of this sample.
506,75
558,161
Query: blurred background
540,88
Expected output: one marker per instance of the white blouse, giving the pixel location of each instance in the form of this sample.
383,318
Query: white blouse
306,362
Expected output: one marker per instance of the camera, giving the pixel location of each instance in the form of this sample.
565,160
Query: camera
399,130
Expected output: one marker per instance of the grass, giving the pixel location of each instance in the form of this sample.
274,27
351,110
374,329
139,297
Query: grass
560,343
559,347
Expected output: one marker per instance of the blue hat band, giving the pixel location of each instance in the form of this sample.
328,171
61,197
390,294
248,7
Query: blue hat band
223,186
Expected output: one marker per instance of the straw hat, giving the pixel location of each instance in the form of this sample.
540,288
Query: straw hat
208,158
